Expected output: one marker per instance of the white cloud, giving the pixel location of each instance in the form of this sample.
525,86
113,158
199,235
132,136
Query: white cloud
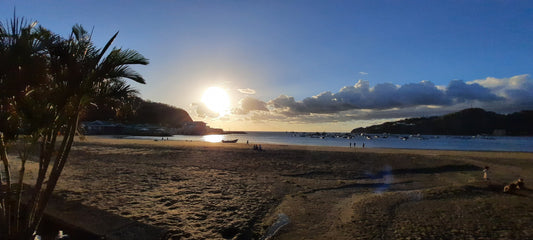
203,111
517,91
246,91
249,104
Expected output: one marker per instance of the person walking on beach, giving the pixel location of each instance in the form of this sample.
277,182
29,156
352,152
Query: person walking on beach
486,173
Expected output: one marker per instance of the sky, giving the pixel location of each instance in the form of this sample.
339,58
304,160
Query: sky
305,65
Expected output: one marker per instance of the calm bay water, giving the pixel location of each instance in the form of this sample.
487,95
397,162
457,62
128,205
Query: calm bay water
442,142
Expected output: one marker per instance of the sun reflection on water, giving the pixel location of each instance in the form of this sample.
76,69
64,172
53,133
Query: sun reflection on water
213,138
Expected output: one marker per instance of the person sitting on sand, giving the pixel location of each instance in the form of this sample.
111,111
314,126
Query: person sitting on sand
520,183
511,188
517,185
486,173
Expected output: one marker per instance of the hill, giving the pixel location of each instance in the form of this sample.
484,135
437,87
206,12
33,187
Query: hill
470,121
137,111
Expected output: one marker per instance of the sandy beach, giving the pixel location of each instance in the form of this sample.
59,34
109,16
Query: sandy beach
197,190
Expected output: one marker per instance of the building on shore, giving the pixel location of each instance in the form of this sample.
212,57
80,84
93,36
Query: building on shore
112,128
198,128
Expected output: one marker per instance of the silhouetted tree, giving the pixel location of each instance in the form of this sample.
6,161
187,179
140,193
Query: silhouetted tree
47,82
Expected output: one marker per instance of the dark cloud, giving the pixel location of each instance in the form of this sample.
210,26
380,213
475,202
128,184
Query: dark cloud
361,96
423,93
461,91
387,100
249,104
516,93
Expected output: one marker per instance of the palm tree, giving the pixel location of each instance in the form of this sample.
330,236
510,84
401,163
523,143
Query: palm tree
77,72
22,68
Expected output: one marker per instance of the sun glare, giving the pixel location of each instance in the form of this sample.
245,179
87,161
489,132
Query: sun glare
217,100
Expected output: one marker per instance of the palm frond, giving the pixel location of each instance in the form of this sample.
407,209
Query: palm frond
125,72
116,65
108,44
126,57
79,33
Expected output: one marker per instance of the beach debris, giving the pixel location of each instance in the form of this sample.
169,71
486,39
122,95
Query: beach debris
514,186
282,221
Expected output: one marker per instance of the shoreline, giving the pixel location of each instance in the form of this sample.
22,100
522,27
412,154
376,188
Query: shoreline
266,146
445,142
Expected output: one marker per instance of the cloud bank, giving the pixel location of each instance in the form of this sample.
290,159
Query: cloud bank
386,100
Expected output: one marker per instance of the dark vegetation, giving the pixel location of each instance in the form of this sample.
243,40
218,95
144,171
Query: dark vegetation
135,110
470,121
46,82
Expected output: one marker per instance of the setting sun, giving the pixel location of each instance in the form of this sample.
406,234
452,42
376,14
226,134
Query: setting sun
217,100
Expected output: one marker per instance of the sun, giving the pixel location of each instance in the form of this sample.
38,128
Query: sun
217,100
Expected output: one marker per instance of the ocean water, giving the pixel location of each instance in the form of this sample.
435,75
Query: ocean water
440,142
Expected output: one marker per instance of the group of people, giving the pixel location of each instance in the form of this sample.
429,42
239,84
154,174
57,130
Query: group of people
510,188
355,145
514,186
258,147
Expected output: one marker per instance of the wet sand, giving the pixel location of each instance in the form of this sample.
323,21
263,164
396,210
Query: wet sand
197,190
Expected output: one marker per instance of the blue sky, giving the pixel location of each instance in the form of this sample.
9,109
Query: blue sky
315,65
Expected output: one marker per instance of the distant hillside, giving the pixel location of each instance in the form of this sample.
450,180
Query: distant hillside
470,121
137,110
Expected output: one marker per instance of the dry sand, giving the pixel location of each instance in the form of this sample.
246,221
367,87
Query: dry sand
196,190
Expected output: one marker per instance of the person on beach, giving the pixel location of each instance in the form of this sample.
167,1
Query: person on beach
514,186
520,183
486,173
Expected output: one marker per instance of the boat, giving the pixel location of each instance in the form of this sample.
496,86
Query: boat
230,141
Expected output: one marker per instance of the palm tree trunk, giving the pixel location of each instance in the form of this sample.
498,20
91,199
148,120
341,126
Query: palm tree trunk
6,203
47,147
55,173
18,200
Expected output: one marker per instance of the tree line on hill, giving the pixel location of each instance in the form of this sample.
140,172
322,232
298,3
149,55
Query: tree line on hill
472,121
135,110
